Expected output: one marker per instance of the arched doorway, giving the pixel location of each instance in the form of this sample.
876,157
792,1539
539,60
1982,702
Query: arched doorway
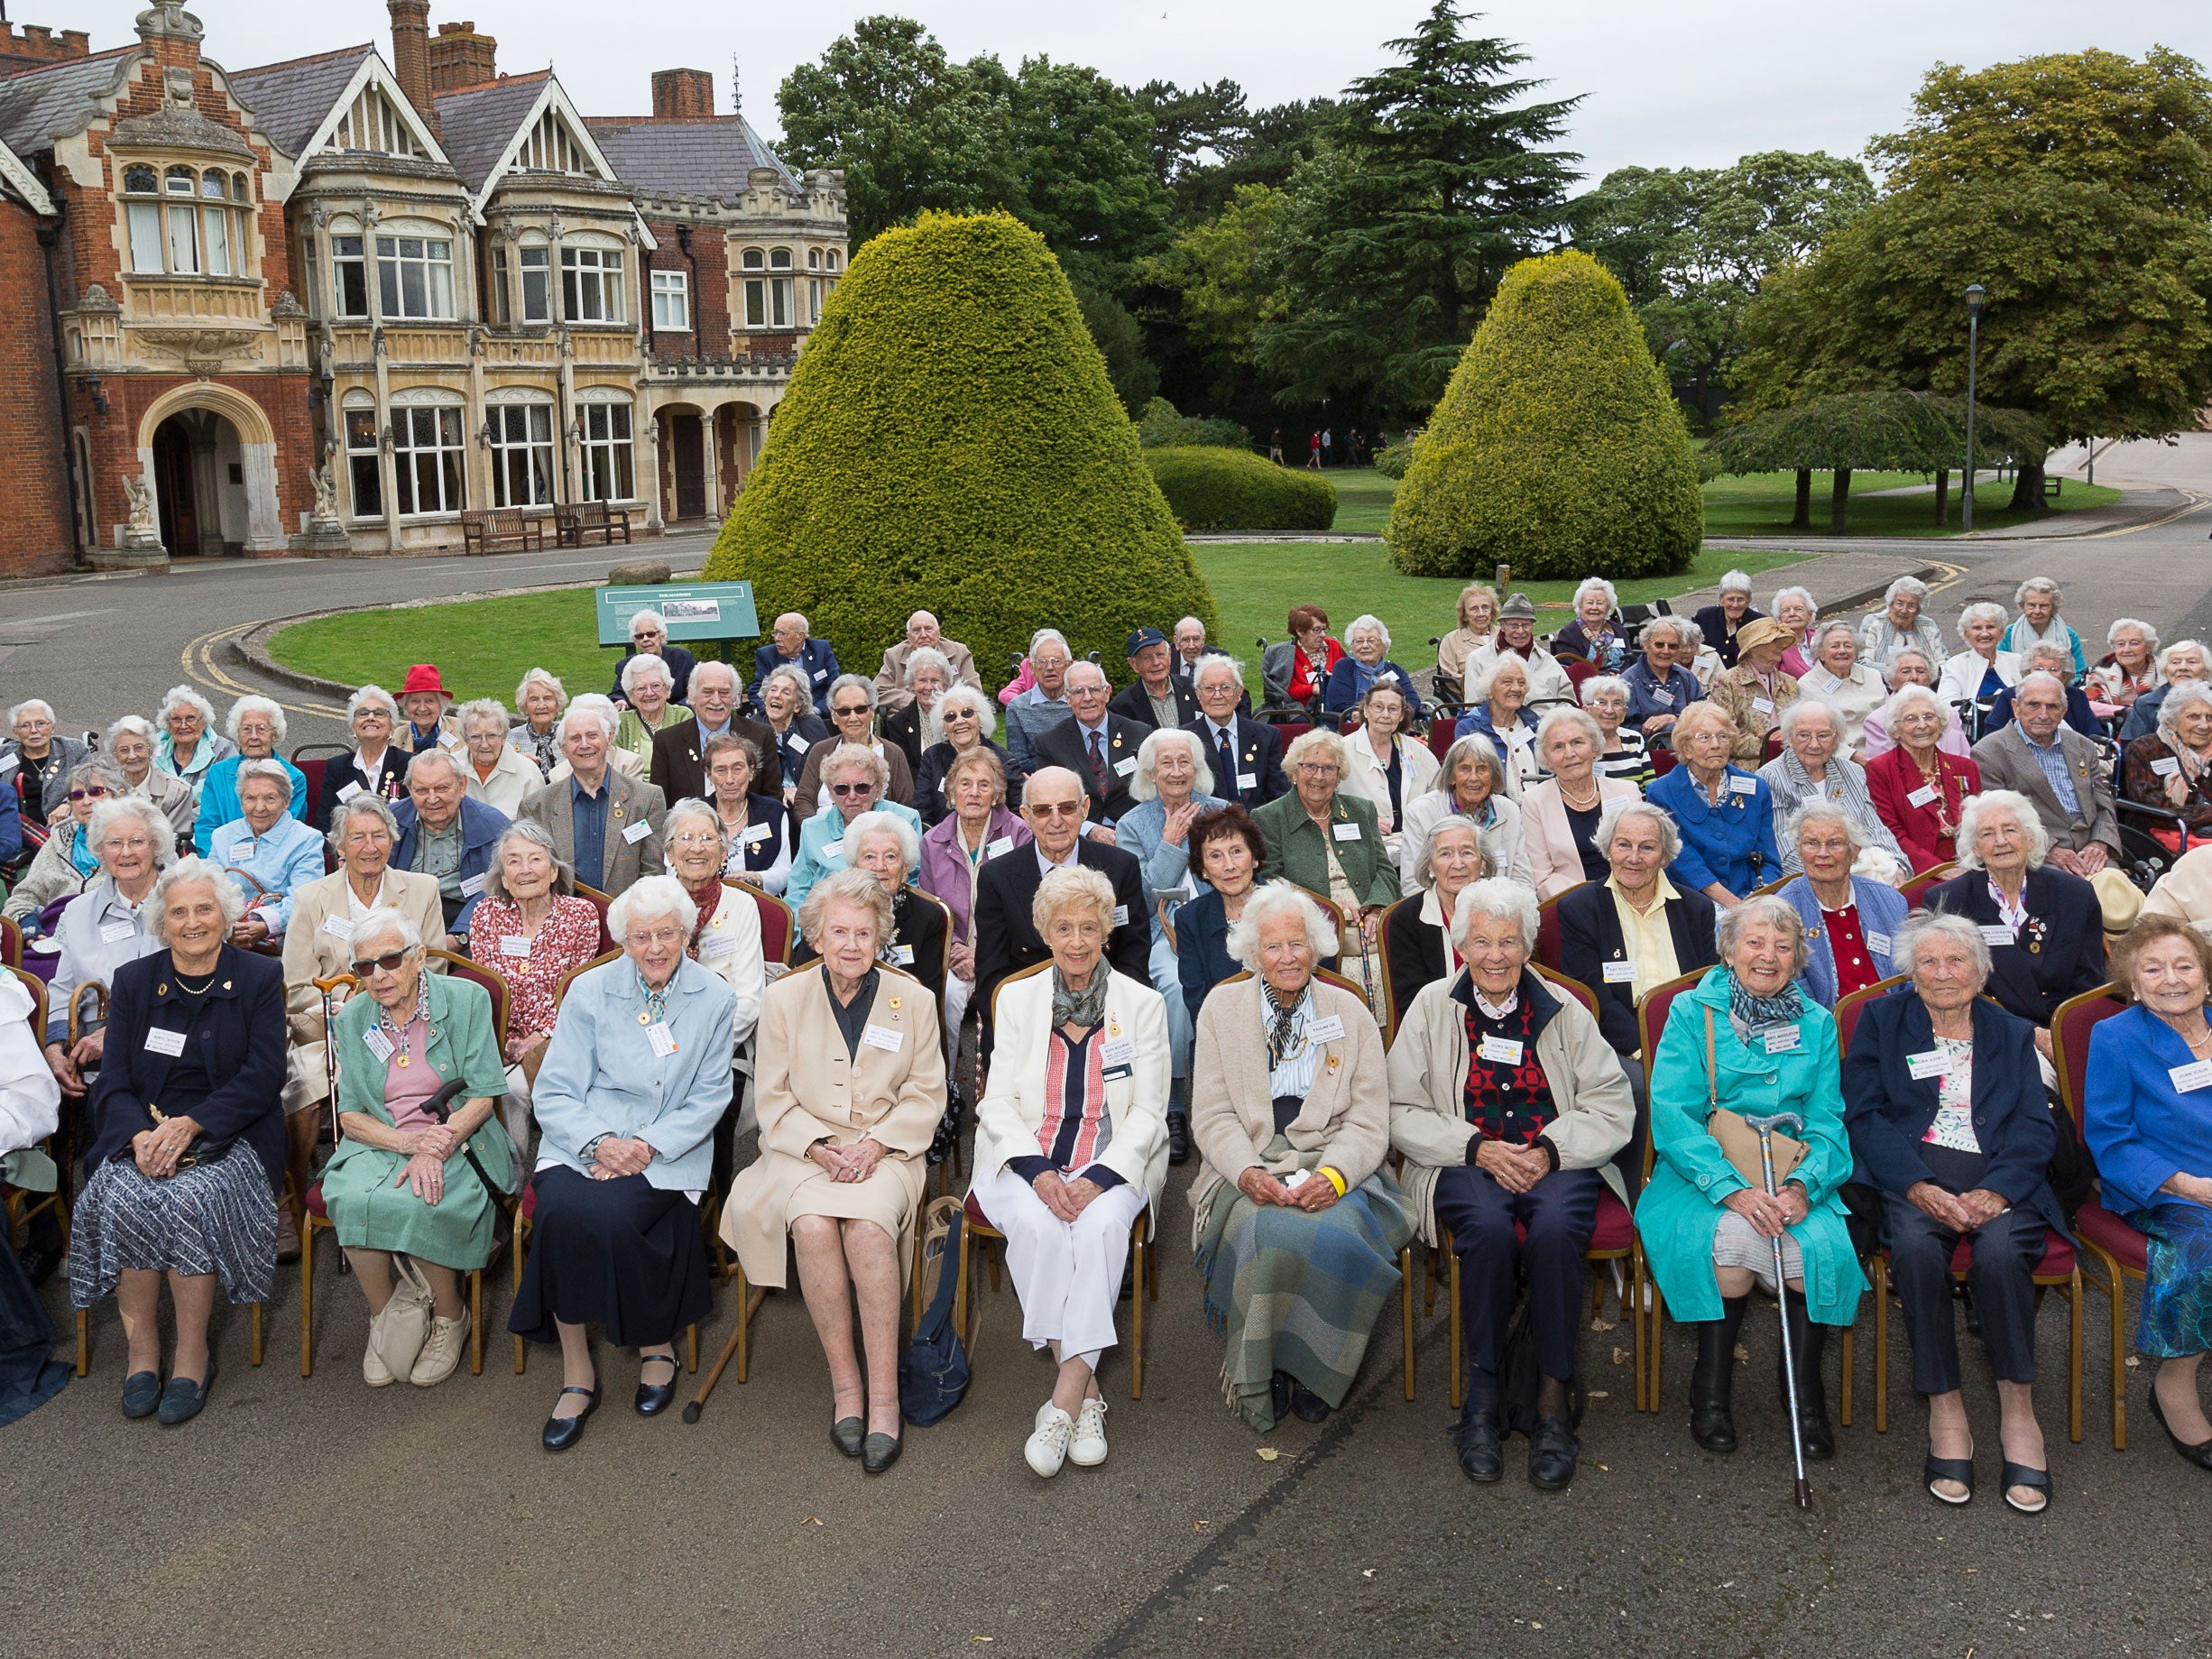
738,432
210,455
683,460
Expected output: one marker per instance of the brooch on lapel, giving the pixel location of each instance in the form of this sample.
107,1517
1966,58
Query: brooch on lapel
894,1005
2037,931
1335,1061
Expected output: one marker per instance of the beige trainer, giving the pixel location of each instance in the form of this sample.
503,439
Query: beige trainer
373,1371
441,1351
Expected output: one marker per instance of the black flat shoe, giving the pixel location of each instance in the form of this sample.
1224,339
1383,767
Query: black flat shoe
2034,1479
1712,1426
846,1434
1482,1457
1178,1137
1305,1405
562,1432
1552,1454
1961,1469
653,1399
183,1399
2199,1454
880,1452
141,1393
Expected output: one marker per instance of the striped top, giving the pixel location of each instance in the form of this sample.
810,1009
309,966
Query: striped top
1076,1126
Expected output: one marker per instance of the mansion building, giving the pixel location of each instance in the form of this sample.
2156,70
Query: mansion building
332,304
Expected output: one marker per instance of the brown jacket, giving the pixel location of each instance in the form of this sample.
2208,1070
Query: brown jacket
808,800
892,693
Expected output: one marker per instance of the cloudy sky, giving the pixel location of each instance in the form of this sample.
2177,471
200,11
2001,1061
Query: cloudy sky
1689,83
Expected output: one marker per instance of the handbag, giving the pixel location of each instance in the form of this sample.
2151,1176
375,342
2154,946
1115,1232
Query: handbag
1739,1142
933,1372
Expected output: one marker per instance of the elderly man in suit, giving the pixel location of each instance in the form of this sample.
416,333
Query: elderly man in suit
923,634
2058,769
605,824
1006,938
792,643
1098,746
679,766
1245,756
1160,697
447,833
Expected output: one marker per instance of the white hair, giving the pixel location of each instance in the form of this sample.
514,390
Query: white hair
1828,812
1798,711
1971,811
481,708
687,809
647,663
2166,657
442,756
154,912
1978,610
2177,699
645,898
802,693
880,823
1598,685
804,626
1271,899
111,812
1911,587
1479,690
254,704
1496,896
654,617
964,695
41,703
599,707
1680,627
1903,697
2149,633
362,806
1836,625
1597,585
1567,714
1624,807
540,676
1192,619
1775,911
2057,684
2037,585
1926,925
1369,622
1813,605
2052,651
928,656
715,664
1736,582
1084,662
130,725
1045,636
388,919
1425,860
185,694
1898,656
372,697
1212,661
277,773
1145,787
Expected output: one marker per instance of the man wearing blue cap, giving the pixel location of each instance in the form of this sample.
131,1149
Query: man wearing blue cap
1157,699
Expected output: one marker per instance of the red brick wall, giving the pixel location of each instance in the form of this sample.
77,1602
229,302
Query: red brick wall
710,289
38,539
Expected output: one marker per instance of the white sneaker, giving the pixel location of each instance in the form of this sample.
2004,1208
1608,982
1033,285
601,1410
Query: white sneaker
1046,1449
373,1371
441,1351
1086,1448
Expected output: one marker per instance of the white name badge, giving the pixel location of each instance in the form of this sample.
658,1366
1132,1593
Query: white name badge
833,849
1743,786
1762,706
796,744
662,1039
2187,1079
378,1044
1388,676
347,792
446,740
1782,1039
635,833
2167,768
161,1042
338,927
1935,1063
999,848
717,945
8,763
514,945
1878,942
902,956
1923,796
1520,736
474,885
1620,973
115,933
1118,1051
752,835
821,674
1122,768
1666,699
1121,916
1997,935
1503,1050
1247,781
885,1037
1329,1030
1345,832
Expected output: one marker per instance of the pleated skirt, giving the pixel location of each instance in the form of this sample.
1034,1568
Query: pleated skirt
218,1218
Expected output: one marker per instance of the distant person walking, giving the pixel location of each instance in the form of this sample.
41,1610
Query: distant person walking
1326,448
1275,446
1312,454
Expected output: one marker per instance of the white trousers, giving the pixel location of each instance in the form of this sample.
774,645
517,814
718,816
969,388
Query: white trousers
958,992
1067,1275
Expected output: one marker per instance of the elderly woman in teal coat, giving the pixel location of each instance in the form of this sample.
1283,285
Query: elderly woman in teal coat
1747,1040
408,1199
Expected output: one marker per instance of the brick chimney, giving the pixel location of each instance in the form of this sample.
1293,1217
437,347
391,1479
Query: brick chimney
411,50
460,56
36,47
683,94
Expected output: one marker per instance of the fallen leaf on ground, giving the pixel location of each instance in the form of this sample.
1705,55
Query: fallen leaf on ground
1600,1324
1620,1356
1742,1353
1268,1454
1599,1394
1366,1573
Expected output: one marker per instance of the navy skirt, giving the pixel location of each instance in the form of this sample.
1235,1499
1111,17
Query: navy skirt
623,1254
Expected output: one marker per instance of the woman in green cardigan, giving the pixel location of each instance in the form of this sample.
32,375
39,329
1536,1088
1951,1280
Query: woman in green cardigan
403,1190
1708,1231
1327,840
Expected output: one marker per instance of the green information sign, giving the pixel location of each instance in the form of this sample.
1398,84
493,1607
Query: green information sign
693,611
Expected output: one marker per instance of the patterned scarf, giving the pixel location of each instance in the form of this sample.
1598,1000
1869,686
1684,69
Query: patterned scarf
1751,1012
706,895
1082,1009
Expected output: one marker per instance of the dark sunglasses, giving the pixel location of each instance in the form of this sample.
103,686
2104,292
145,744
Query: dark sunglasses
390,962
851,789
88,794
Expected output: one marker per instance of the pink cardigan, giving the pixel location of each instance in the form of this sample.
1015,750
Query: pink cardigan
944,866
1552,856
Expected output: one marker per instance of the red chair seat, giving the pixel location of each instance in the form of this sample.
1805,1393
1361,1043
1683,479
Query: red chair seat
315,1202
2100,1227
975,1213
1615,1227
529,1200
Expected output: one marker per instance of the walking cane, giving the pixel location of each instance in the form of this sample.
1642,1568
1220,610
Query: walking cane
440,1106
330,1049
1767,1127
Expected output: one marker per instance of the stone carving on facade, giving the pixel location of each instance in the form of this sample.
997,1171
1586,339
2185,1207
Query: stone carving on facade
202,351
139,494
326,489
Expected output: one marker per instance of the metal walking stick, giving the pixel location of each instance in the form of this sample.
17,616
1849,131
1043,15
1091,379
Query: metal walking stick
1767,1127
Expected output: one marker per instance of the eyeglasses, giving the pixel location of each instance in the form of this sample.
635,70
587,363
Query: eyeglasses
390,962
696,841
844,709
1317,769
89,795
1072,809
844,789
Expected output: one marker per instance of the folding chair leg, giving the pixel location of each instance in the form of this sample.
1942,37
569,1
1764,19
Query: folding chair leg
959,1300
1847,1374
1136,1313
307,1300
745,1323
514,1254
1656,1349
84,1343
1881,1345
254,1328
2117,1281
1458,1337
2073,1354
1635,1329
1405,1301
691,1348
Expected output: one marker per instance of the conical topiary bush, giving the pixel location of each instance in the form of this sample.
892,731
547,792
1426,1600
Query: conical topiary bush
1557,448
950,443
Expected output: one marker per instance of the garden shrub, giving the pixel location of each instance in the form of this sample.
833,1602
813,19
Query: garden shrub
1557,449
1392,461
1234,489
1160,428
951,442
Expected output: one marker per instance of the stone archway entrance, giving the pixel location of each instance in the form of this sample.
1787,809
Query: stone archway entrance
210,453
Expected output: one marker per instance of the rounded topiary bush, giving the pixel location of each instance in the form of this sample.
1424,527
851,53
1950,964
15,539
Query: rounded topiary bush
1212,489
1393,460
1557,449
950,442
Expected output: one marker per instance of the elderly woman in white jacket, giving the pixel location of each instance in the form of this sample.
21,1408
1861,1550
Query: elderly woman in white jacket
1471,783
1071,1148
1386,765
1984,667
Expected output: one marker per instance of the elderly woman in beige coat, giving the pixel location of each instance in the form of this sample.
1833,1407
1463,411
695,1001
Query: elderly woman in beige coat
1508,1105
1290,1109
850,1081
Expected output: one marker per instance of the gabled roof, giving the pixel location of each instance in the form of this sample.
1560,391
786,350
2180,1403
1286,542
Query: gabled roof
480,123
44,104
687,158
291,99
16,178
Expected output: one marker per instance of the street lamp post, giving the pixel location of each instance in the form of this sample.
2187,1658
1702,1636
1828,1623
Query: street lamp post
1975,296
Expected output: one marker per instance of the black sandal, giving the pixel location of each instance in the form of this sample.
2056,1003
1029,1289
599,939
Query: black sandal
1961,1469
2034,1479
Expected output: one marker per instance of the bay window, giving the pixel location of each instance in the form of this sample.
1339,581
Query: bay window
361,447
427,460
414,276
608,475
592,285
522,455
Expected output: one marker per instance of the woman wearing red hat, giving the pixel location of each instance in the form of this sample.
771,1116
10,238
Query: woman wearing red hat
424,700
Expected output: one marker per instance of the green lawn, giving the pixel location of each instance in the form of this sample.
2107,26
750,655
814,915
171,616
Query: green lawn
1761,504
1362,498
482,646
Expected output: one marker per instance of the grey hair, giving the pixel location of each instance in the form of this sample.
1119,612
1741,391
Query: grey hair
646,897
1925,925
2053,650
854,888
1473,746
1735,581
1897,655
2057,684
16,712
364,805
1495,896
1276,898
857,754
1795,716
651,616
1828,812
1619,810
388,919
600,707
2036,584
845,682
1479,690
1366,619
1598,685
878,822
1043,636
806,627
101,769
533,834
1693,636
1971,814
541,676
802,693
1911,587
2177,699
1568,714
372,697
1775,911
1318,737
154,912
1145,785
646,662
925,657
691,808
1597,585
185,694
1835,625
1977,611
1212,660
482,708
108,813
715,665
1201,627
133,725
2165,657
966,695
440,755
1813,605
276,771
253,703
1905,695
1104,684
1677,626
2149,633
1424,859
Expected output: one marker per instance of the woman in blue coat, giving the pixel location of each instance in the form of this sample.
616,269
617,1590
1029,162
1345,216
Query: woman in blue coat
1851,922
1725,813
1748,1041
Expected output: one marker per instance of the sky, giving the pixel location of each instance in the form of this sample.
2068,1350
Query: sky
1692,83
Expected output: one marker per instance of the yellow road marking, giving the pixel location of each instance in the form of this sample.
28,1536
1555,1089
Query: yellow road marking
200,665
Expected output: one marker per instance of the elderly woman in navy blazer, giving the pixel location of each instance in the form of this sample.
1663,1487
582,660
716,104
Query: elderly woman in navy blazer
1851,921
1945,1106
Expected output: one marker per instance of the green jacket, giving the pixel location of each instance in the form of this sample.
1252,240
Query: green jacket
463,1045
1297,853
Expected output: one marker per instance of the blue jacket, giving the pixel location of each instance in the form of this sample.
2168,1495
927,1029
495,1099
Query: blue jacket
1882,910
816,661
1202,948
2142,1130
290,854
2142,715
11,821
480,828
1719,843
822,848
1647,697
2060,953
218,799
1887,1110
1351,680
1475,722
2078,713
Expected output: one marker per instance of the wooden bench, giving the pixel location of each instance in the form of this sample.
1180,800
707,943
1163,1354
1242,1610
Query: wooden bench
582,522
497,529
